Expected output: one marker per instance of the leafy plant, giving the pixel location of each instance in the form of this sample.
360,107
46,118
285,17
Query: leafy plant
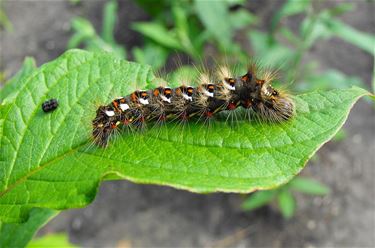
284,195
85,34
189,27
178,38
317,25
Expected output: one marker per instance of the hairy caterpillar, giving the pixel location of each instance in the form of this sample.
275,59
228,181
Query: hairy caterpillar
225,93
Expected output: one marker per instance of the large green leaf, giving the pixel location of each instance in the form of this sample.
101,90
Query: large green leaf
46,159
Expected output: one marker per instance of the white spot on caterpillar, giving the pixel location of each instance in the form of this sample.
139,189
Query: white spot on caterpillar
229,87
189,98
165,99
124,106
110,113
208,93
143,101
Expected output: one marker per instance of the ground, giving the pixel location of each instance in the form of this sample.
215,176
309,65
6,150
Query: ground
125,214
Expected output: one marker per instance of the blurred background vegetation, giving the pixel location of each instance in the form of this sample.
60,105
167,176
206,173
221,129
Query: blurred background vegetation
225,29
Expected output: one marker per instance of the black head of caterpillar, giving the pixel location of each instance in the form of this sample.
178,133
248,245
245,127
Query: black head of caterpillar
224,93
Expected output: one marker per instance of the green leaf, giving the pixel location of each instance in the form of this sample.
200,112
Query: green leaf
18,235
340,9
290,36
74,2
47,160
360,39
151,54
154,8
109,21
15,82
241,18
340,135
182,31
83,31
325,25
258,199
293,7
313,29
4,20
83,26
290,7
158,33
287,203
213,16
234,2
373,78
329,79
51,240
308,186
85,34
271,54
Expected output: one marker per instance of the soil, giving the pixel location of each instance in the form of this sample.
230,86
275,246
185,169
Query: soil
126,214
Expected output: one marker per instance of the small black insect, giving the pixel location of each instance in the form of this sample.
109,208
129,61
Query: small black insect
50,105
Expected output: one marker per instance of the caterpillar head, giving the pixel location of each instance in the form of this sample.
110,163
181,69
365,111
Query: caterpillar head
275,105
269,103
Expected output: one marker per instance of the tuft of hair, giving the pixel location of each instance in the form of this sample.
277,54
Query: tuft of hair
223,72
204,78
269,75
254,67
159,81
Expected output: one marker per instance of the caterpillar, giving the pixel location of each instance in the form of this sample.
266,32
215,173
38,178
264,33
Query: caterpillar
252,91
